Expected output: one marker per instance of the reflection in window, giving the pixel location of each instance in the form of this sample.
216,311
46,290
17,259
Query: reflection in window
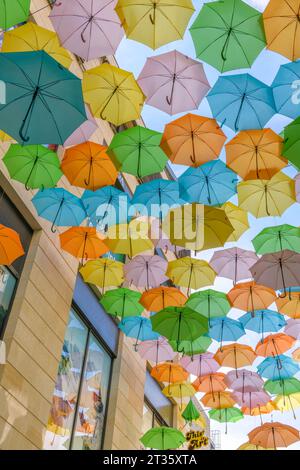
151,418
78,407
7,287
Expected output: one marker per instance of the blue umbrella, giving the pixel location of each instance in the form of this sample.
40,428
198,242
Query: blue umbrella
286,90
212,183
139,328
106,206
225,329
263,321
241,102
278,368
60,207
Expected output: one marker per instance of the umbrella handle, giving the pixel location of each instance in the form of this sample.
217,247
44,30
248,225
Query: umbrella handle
239,112
152,18
23,137
170,99
226,45
283,281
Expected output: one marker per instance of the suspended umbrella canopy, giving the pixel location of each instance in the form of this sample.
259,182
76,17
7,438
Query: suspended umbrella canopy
248,446
238,219
291,145
10,245
31,37
190,348
225,329
293,328
190,413
179,390
256,154
201,364
210,303
103,272
156,350
263,321
13,12
241,102
146,271
235,355
44,102
113,94
279,238
278,368
226,415
233,263
244,381
158,298
173,82
35,166
88,166
191,273
84,132
60,207
218,400
163,438
249,296
284,90
288,403
139,328
252,399
169,372
274,345
122,302
296,355
210,383
260,410
282,387
290,304
281,23
273,435
83,242
193,140
129,239
212,183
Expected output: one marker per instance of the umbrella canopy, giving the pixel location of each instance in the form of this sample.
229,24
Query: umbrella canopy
83,242
122,302
225,329
238,219
173,82
190,412
282,387
283,89
274,345
210,383
290,304
192,347
289,403
248,446
192,140
243,381
241,102
233,263
103,272
113,94
210,303
146,271
139,328
191,273
263,321
273,435
212,183
155,23
256,154
201,364
84,132
88,28
226,415
274,239
179,390
218,400
277,368
163,438
88,166
156,350
129,239
260,410
296,355
297,186
252,399
169,372
291,145
235,355
228,35
35,166
13,12
10,245
249,296
293,328
158,298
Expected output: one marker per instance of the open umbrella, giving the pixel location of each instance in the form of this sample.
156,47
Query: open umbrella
190,412
129,239
84,132
244,381
274,239
122,302
173,82
249,446
274,345
139,328
290,304
282,387
179,390
161,297
225,329
191,273
163,438
288,403
44,102
263,321
256,154
156,351
226,415
284,89
192,140
273,435
296,355
293,328
210,303
210,383
252,399
241,102
10,245
191,347
113,94
200,365
13,12
146,271
228,35
83,242
277,368
291,145
249,296
218,400
169,372
103,272
233,263
238,219
235,355
260,410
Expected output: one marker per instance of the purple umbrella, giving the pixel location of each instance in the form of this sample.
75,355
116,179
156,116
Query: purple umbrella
83,132
297,186
234,263
201,364
244,381
293,328
156,350
146,271
88,28
251,399
173,82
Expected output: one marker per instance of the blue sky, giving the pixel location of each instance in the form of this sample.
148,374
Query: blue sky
132,56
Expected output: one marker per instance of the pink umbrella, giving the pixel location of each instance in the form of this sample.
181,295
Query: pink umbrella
173,82
159,238
156,351
244,381
83,132
293,328
201,364
234,263
297,186
251,399
146,271
88,28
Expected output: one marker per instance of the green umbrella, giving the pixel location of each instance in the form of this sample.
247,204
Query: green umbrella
279,238
228,34
282,387
291,147
226,415
122,302
190,348
137,151
163,438
35,166
13,12
190,412
209,303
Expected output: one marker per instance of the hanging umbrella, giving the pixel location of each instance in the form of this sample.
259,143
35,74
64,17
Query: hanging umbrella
228,35
59,207
263,321
283,89
35,166
191,273
179,390
158,298
10,246
190,412
156,350
244,381
192,140
289,403
293,328
225,329
44,100
282,387
210,383
13,12
160,239
219,400
241,102
252,399
296,355
84,132
139,328
31,37
212,183
122,302
103,272
278,270
129,239
210,303
146,271
169,372
83,242
226,415
88,29
249,296
273,435
153,23
256,154
277,368
291,145
260,410
192,347
279,238
235,355
173,82
274,345
200,365
281,23
163,438
88,166
113,94
290,304
137,151
238,219
233,263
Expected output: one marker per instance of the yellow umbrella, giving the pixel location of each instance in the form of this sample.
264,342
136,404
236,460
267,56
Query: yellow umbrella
154,22
267,197
288,402
238,219
129,239
31,37
179,390
249,446
5,138
191,273
113,94
103,272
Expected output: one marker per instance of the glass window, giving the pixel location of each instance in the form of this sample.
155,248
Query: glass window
7,287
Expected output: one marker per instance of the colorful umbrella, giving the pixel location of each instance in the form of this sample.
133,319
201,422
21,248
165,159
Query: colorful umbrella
278,368
274,345
84,132
192,347
163,438
235,355
233,263
122,302
10,245
293,328
191,273
13,12
210,383
169,372
290,304
244,381
139,328
190,412
173,82
146,271
263,321
161,297
200,365
249,296
225,329
291,145
219,400
83,242
226,415
252,399
238,219
282,387
210,303
44,100
248,446
260,410
129,239
192,140
274,239
289,403
284,89
103,272
113,94
273,435
156,350
179,390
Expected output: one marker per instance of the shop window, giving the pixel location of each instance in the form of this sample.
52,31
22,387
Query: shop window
7,288
159,403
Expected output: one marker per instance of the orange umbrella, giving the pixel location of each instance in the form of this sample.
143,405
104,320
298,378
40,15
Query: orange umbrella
210,383
260,410
83,242
10,245
235,355
273,435
88,166
219,400
169,372
192,140
274,345
249,296
255,154
159,298
289,305
296,355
